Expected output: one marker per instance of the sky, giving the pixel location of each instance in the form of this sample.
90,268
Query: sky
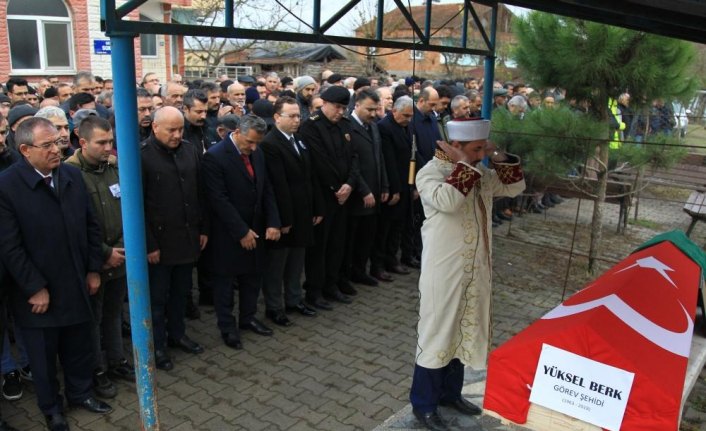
346,25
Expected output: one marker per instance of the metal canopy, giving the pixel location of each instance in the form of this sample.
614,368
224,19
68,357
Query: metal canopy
681,19
113,23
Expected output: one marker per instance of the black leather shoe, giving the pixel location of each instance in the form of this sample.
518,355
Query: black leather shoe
382,276
102,386
463,406
55,422
232,340
398,269
278,318
338,297
162,360
122,370
346,288
93,405
4,426
302,309
186,344
431,421
364,279
257,327
320,303
412,263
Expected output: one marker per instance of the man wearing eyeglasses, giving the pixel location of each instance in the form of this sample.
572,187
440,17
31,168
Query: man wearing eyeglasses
300,209
50,242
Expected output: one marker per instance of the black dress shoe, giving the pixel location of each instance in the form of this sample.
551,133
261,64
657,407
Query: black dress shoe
232,340
186,344
346,288
102,386
122,370
320,303
398,269
463,406
302,309
162,360
338,297
431,421
4,426
257,327
55,422
412,263
382,276
93,405
278,318
363,279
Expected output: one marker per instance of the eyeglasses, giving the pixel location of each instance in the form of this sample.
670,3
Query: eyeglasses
48,145
295,116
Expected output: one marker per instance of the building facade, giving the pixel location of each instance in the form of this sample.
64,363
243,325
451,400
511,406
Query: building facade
40,38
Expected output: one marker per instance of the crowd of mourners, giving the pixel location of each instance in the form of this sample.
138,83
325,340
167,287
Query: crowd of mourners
252,184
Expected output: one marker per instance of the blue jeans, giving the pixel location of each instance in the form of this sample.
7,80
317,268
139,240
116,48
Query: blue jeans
8,363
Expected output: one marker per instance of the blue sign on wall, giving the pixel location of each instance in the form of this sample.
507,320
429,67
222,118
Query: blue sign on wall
101,47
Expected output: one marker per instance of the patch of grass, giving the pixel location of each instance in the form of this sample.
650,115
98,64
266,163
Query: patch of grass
667,192
649,224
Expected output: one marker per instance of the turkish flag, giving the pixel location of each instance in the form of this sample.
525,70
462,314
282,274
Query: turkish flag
638,316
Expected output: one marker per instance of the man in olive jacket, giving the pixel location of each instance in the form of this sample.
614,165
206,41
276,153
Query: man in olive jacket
176,228
100,173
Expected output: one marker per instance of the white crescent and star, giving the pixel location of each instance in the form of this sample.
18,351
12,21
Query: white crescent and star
678,343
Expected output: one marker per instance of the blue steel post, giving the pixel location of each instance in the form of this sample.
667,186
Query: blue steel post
316,23
489,75
127,137
229,13
379,21
427,21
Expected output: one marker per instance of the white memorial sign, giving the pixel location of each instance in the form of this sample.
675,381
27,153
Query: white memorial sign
581,388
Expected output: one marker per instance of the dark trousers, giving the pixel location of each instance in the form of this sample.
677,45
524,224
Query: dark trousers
283,268
107,305
223,299
387,242
205,282
411,244
360,239
75,354
323,260
431,386
169,285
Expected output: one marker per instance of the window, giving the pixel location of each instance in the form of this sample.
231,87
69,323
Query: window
416,55
40,36
148,42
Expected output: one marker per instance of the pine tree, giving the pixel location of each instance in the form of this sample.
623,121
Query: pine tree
595,62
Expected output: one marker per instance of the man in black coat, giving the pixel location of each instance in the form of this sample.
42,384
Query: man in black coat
328,135
176,228
396,148
50,243
371,191
195,127
244,213
300,209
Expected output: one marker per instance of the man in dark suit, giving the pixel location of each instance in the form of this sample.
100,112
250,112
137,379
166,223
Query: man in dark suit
300,209
176,228
371,191
244,213
327,133
50,242
396,140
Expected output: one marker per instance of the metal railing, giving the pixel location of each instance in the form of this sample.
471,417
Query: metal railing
233,72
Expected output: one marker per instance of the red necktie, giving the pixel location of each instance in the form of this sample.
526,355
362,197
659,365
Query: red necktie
248,165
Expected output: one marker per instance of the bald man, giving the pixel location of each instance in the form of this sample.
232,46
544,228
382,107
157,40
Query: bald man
176,228
236,98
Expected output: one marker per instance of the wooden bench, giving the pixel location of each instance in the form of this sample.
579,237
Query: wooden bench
696,208
617,192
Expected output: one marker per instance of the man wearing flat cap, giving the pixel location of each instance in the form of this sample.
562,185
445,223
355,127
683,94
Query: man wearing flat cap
334,163
457,194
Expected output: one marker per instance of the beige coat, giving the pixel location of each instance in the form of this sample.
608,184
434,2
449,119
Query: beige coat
455,282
